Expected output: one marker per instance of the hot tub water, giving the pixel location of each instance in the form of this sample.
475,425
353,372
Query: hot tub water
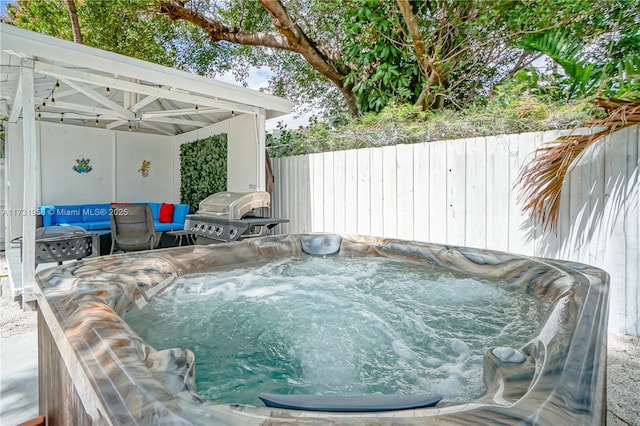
337,326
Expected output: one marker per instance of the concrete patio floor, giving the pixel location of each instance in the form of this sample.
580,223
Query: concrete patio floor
19,367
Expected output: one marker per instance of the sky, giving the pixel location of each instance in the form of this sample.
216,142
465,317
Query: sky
3,6
258,78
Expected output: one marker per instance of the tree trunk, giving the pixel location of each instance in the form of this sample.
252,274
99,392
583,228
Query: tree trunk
75,25
289,37
427,65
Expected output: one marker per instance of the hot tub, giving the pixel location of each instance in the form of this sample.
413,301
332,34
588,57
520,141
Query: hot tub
95,369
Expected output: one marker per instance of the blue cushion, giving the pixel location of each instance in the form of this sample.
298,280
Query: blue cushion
47,213
180,213
67,214
155,209
95,212
104,224
96,216
171,226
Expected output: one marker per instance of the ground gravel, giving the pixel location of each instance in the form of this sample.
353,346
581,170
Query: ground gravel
13,320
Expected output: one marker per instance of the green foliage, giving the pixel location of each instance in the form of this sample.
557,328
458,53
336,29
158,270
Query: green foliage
471,46
128,27
383,68
203,169
585,74
407,123
624,80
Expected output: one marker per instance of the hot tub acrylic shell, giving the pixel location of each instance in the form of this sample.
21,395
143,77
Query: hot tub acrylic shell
95,369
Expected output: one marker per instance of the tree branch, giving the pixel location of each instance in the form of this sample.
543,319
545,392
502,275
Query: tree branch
308,49
217,31
290,37
75,24
427,64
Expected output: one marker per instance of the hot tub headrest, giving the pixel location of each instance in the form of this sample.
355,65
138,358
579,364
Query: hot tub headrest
345,404
321,244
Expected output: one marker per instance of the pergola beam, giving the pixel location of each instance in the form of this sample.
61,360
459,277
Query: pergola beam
92,94
178,112
16,108
143,103
11,86
116,124
159,127
70,107
178,121
67,74
156,126
76,116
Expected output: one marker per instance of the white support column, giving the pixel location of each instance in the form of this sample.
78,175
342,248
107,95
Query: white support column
261,119
30,182
6,181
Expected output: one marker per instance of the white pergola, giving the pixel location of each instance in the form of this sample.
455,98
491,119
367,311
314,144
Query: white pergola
52,80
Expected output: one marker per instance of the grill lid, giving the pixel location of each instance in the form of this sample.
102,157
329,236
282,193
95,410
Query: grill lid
233,205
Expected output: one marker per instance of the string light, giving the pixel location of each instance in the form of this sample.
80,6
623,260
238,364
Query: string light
129,125
53,100
197,108
39,116
233,114
108,91
61,117
97,122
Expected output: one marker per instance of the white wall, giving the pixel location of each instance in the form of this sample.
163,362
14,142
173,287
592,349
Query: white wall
115,160
464,192
60,146
14,172
242,155
131,149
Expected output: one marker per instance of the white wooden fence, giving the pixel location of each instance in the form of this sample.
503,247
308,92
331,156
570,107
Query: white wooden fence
464,192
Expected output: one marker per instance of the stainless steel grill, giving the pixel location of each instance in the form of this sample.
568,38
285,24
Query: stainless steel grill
231,216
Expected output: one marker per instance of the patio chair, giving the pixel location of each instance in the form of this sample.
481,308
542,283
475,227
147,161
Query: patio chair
132,228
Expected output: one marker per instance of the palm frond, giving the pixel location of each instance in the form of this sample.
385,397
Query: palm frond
568,53
542,178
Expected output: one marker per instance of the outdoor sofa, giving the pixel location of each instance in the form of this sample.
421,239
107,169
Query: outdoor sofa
95,217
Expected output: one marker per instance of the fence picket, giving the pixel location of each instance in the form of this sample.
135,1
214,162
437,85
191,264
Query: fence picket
351,192
421,191
476,193
364,191
389,197
438,191
405,188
